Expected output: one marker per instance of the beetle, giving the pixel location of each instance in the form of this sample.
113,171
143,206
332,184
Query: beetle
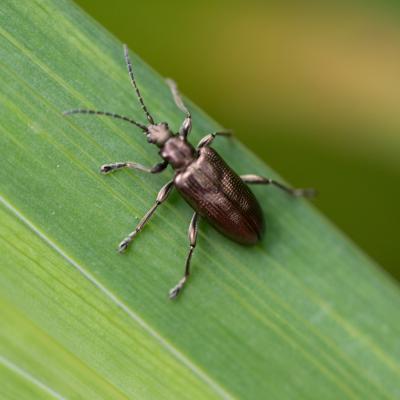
207,183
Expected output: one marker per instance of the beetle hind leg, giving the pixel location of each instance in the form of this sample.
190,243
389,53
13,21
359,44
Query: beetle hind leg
260,180
192,233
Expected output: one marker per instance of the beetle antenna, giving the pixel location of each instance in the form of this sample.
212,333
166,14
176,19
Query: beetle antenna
107,114
133,81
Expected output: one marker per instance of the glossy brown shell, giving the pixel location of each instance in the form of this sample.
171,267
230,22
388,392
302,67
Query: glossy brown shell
213,189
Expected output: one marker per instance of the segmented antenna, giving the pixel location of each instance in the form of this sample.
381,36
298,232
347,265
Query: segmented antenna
107,114
129,65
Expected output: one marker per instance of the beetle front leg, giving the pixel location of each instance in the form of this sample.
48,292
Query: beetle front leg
107,168
192,233
259,180
161,197
207,140
187,123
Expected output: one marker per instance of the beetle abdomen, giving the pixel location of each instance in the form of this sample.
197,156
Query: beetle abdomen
213,189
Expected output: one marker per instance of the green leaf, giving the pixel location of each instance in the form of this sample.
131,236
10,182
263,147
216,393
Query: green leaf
303,314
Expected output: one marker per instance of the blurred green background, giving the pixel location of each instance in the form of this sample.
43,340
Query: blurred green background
313,89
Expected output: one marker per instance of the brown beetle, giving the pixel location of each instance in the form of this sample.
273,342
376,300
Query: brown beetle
202,177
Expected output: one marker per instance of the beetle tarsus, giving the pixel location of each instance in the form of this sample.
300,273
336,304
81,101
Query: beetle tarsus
173,293
124,245
308,192
106,168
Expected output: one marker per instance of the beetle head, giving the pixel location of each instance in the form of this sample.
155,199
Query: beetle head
158,134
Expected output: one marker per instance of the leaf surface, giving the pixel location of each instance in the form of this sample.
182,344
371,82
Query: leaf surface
303,314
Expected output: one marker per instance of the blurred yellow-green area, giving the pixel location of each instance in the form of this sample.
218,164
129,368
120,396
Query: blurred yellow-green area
312,88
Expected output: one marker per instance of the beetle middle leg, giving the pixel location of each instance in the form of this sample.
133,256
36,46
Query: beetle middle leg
161,197
192,233
207,140
259,180
107,168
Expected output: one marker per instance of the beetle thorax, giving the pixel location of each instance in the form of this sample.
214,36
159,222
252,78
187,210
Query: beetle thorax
178,152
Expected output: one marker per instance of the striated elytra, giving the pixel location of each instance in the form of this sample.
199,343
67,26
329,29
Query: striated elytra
214,191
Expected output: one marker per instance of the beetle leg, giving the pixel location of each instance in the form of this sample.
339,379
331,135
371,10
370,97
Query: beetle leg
207,140
187,123
259,180
192,233
161,197
107,168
